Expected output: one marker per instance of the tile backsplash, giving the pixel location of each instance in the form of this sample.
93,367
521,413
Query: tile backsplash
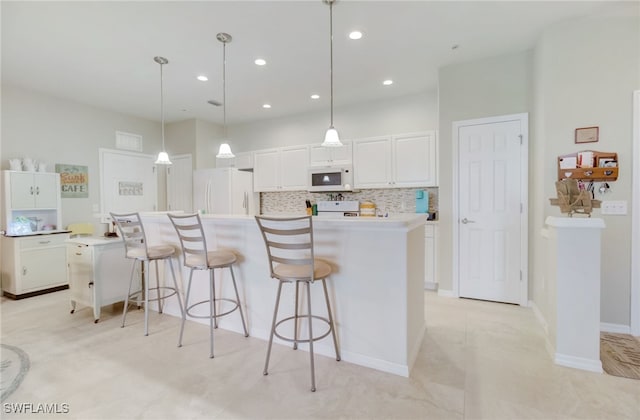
392,200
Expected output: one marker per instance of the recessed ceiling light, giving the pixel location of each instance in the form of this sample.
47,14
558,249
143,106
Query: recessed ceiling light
387,82
260,62
355,35
314,96
266,106
202,78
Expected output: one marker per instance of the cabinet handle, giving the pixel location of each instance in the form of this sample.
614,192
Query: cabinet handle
31,190
37,190
43,242
78,253
24,271
90,284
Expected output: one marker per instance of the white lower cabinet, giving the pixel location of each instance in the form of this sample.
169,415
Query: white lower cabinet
33,264
98,273
430,257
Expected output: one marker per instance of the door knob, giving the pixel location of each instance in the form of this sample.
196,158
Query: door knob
465,221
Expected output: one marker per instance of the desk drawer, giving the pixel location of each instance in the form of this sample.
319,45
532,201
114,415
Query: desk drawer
42,241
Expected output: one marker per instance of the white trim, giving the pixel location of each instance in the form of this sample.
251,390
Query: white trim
447,293
615,328
578,362
538,313
524,198
635,223
430,285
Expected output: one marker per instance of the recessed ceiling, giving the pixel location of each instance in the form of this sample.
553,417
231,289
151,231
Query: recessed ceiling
101,53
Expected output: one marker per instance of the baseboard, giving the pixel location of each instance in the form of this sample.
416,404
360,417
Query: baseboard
539,316
430,285
446,293
615,328
578,363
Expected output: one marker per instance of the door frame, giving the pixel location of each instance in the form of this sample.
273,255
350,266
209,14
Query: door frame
635,222
523,118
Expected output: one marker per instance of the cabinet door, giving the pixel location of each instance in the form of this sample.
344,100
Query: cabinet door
319,156
43,268
342,155
243,160
294,168
429,257
372,163
414,160
22,190
80,273
47,190
180,184
266,170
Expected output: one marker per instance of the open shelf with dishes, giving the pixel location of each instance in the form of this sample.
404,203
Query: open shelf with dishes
588,165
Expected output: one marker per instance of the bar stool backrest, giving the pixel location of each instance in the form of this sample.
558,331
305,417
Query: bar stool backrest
289,241
132,234
191,235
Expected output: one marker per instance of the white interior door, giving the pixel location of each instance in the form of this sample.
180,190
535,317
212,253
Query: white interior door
180,183
128,182
490,211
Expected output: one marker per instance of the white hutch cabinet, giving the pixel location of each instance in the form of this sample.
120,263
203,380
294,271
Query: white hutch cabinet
35,261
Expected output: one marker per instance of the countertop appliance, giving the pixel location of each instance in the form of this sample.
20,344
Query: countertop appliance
331,178
224,191
338,208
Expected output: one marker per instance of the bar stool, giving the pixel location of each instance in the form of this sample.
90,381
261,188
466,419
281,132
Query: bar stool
137,249
198,257
289,243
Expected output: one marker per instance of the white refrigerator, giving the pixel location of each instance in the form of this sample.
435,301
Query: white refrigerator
224,191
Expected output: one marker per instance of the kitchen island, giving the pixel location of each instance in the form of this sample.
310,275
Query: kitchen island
376,289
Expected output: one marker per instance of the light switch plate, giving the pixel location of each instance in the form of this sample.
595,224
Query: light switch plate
617,208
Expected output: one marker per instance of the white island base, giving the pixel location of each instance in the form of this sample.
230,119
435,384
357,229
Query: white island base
376,289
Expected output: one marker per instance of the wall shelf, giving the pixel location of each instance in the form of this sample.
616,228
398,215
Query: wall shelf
597,172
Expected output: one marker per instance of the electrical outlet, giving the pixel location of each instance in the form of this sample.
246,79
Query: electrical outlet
617,208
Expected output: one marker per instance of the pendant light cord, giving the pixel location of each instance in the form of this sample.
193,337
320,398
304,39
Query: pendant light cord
162,105
224,88
331,54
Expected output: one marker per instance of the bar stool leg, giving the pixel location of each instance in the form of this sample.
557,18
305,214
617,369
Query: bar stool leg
331,323
159,295
186,308
235,287
175,284
145,280
295,320
273,329
212,307
213,303
313,370
126,299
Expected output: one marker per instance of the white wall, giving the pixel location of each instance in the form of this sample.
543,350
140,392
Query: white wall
54,130
490,87
586,71
396,115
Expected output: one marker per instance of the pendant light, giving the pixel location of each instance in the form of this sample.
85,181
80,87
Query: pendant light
225,150
163,157
331,138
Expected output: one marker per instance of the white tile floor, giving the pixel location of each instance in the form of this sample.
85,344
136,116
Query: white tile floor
478,360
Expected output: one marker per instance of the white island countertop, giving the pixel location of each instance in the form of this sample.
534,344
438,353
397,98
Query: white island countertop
376,288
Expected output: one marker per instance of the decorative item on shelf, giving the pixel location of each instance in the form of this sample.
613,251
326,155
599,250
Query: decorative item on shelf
163,156
572,199
367,209
331,138
29,165
225,150
15,164
42,167
587,135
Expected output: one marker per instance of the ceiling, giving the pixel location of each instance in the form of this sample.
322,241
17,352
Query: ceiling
101,53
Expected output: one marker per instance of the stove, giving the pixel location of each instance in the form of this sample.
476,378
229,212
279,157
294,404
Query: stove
338,208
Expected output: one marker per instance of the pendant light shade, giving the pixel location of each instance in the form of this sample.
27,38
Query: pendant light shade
163,157
331,138
225,150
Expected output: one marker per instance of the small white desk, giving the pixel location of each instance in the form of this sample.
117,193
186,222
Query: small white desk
98,272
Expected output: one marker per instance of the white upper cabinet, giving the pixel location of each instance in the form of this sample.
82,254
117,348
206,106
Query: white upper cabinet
242,160
403,160
34,190
324,156
282,169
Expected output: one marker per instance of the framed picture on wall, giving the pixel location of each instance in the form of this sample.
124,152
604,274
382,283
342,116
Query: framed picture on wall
587,134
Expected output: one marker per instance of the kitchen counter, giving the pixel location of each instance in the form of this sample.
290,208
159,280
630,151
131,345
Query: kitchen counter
376,288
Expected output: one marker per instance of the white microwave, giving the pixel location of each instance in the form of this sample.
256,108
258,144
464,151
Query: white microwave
331,178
